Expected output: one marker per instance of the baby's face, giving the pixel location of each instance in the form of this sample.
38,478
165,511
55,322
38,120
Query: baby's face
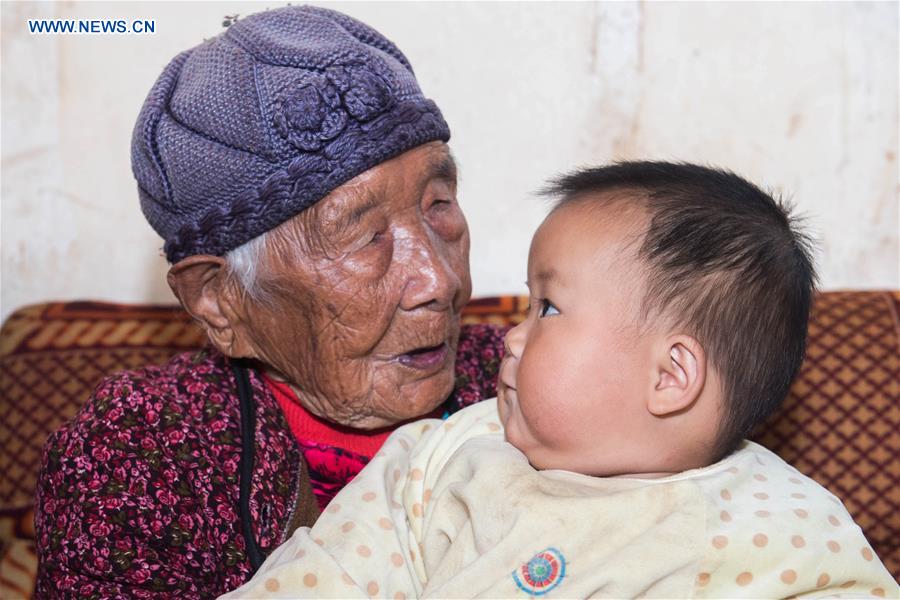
575,373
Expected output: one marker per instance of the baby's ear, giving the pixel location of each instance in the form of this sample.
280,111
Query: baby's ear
679,374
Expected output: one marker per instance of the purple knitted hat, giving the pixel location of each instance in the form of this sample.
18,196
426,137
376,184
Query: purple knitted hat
246,130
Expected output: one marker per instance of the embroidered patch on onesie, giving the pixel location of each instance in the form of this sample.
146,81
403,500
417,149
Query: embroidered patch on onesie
542,573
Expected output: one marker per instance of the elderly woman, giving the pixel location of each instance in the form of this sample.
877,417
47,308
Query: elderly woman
307,199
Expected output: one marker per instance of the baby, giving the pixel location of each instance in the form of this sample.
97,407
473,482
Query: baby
669,306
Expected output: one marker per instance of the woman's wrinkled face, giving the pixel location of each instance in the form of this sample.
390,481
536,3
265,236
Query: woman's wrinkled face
362,293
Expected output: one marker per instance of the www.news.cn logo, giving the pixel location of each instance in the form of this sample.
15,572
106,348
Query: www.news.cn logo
98,26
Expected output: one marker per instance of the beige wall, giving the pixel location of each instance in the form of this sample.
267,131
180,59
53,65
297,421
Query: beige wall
800,97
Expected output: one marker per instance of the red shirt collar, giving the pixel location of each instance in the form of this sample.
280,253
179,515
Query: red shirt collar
308,428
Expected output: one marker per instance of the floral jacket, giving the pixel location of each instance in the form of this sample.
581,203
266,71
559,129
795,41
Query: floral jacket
138,495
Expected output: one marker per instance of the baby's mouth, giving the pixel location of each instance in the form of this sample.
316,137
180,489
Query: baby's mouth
505,393
507,374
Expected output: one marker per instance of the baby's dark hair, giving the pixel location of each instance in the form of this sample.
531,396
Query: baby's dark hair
728,263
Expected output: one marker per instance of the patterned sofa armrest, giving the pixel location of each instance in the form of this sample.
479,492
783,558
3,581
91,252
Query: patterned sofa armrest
840,422
51,358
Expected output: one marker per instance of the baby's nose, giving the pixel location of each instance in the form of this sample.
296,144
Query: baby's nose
514,342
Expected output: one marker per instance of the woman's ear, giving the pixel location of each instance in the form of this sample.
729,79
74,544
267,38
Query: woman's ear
200,284
679,375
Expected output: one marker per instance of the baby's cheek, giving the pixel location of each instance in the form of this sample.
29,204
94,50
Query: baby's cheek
538,393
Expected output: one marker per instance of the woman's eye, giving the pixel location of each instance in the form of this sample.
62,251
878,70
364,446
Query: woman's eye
370,242
547,309
377,238
441,204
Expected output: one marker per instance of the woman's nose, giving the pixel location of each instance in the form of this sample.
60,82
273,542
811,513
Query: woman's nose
431,280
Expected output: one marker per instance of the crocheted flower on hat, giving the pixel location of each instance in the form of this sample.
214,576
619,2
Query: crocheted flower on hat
366,94
310,113
315,110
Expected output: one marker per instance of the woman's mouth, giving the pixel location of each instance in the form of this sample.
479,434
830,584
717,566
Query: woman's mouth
425,358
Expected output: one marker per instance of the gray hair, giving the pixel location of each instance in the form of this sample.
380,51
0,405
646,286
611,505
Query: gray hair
244,265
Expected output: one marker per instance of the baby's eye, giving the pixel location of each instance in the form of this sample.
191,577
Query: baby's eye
547,309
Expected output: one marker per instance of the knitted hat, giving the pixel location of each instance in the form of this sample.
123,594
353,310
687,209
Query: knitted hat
246,130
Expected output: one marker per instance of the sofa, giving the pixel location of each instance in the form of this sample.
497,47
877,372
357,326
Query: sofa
839,424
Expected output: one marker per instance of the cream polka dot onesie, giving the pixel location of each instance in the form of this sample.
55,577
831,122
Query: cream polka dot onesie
448,509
